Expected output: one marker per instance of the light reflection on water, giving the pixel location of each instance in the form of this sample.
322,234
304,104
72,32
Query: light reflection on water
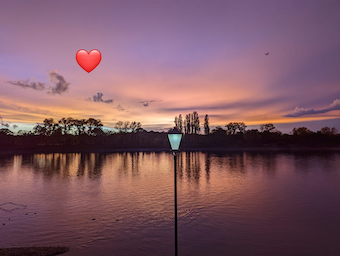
122,203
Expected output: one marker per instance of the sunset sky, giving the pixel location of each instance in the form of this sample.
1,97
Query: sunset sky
165,58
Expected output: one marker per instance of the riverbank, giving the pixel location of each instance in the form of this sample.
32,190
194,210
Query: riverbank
34,251
60,149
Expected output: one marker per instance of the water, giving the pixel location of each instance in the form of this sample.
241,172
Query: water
122,203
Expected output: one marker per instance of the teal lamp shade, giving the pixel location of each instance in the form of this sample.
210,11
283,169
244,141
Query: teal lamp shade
175,140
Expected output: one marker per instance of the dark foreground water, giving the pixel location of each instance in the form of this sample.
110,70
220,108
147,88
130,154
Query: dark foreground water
123,203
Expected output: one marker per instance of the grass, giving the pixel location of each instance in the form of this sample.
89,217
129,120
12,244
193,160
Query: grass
33,251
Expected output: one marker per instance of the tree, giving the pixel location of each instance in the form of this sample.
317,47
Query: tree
231,128
126,126
80,125
64,125
176,121
195,123
119,126
135,126
185,126
329,131
38,130
180,123
50,126
241,127
206,125
188,123
219,130
302,131
267,127
6,131
92,125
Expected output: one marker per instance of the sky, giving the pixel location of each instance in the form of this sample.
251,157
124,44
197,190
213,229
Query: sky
165,58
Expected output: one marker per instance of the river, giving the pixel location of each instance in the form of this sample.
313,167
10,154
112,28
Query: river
123,203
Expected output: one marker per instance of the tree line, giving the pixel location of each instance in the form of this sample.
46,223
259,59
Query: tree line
89,133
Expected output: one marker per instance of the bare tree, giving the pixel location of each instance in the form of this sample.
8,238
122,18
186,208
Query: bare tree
134,126
126,126
119,126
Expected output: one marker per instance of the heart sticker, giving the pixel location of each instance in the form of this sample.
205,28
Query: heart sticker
88,61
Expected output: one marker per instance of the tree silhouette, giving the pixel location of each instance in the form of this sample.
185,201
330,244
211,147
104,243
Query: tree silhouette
195,122
328,131
232,128
180,123
267,127
188,123
206,125
119,126
302,131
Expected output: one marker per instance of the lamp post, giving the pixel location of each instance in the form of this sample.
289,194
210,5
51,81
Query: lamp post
175,137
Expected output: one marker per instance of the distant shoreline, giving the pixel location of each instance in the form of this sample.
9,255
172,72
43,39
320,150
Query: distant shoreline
58,149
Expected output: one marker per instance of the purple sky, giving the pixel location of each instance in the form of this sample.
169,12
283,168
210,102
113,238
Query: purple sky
165,58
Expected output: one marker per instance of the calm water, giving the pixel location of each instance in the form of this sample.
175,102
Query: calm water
228,204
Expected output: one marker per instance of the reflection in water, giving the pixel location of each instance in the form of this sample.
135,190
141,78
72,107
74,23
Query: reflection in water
189,163
123,203
207,166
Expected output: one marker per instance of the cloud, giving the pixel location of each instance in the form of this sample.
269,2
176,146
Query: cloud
27,110
243,105
2,123
309,111
27,84
120,108
146,102
59,84
99,98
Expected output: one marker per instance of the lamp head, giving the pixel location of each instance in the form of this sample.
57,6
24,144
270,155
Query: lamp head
175,137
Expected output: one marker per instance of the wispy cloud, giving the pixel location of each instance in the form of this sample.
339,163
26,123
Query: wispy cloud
120,108
99,98
28,110
27,84
146,102
59,85
310,111
243,105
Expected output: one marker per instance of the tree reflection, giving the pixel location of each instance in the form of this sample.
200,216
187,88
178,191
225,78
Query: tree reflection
95,165
63,165
92,164
5,162
130,162
207,166
190,163
307,161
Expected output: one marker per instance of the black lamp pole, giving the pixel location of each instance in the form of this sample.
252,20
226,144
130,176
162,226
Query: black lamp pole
176,239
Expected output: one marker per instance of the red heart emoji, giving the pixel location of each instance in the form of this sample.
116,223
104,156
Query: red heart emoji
88,61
